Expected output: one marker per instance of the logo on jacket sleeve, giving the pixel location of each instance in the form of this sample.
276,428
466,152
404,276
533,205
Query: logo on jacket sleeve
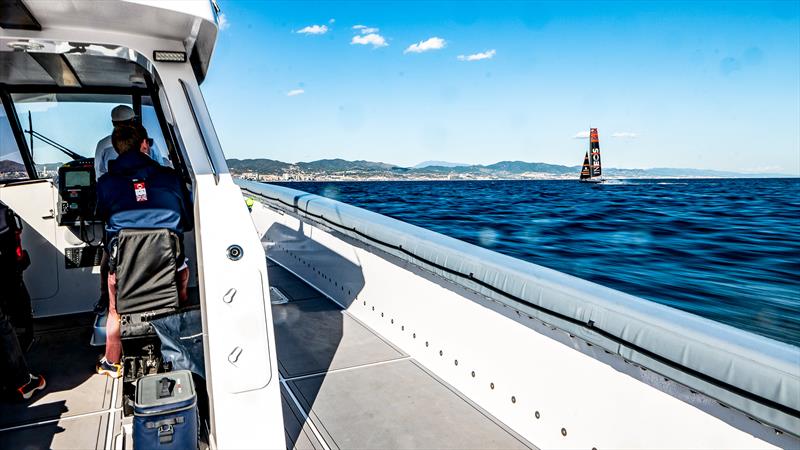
140,190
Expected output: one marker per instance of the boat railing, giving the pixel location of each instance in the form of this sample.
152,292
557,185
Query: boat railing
754,374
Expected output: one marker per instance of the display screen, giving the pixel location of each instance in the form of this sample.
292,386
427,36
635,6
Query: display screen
77,178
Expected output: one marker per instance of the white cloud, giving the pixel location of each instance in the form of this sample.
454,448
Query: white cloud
581,135
363,29
624,135
332,21
314,29
488,54
294,92
375,40
222,22
434,43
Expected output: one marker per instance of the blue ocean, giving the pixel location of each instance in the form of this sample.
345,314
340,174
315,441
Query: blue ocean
725,249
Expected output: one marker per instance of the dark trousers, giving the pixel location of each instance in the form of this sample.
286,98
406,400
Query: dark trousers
104,279
14,370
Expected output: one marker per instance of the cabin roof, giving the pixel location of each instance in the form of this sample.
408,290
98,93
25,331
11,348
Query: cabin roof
191,23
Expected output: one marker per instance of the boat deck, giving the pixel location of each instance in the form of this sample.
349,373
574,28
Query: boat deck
343,386
78,409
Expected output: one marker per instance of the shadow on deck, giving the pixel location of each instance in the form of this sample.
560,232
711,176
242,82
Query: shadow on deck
344,386
75,409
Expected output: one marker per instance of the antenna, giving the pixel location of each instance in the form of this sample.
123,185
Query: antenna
30,131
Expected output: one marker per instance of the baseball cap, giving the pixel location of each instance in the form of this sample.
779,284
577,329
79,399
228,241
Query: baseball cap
122,113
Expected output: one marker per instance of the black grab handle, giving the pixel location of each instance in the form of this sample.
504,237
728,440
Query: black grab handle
165,386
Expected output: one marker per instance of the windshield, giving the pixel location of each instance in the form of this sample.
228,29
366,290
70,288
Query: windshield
11,164
69,126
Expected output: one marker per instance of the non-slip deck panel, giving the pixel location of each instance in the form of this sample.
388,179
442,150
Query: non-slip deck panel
71,433
67,361
381,400
397,405
291,286
298,433
314,336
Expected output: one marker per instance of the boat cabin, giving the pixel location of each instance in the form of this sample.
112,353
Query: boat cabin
63,67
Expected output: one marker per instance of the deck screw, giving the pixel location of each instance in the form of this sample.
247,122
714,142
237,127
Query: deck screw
426,343
381,314
473,374
391,321
402,328
441,353
455,362
491,385
513,399
414,335
563,431
537,414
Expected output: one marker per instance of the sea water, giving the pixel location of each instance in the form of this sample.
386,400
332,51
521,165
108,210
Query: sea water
725,249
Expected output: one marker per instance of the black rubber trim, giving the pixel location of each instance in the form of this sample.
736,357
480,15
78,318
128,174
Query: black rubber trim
590,325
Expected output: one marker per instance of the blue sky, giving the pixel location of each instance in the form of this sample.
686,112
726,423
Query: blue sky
672,84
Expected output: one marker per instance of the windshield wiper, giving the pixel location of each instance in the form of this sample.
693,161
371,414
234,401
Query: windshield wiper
35,134
54,144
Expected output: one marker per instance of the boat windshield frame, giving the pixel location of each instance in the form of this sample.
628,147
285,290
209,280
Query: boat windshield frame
135,92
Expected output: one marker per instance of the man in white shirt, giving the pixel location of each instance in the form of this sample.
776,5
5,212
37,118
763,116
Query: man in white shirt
120,115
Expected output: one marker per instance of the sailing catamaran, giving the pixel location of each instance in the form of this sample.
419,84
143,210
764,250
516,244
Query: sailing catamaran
592,172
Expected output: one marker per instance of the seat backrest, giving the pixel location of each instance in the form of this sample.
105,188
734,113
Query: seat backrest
145,265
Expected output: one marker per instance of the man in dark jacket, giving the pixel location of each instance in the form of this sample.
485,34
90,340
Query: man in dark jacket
139,193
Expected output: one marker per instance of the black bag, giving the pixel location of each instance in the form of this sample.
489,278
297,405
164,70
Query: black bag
11,262
145,265
14,298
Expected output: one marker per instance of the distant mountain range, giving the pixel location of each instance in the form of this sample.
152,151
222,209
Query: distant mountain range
442,169
424,164
11,166
438,170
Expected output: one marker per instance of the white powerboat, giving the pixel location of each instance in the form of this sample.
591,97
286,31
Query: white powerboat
324,325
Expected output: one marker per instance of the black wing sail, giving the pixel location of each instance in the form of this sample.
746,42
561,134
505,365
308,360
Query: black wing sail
585,170
594,151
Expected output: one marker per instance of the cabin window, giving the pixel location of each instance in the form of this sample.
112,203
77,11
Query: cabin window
12,166
56,124
208,135
60,127
153,127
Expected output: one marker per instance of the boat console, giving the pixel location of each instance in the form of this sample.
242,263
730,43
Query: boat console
77,192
